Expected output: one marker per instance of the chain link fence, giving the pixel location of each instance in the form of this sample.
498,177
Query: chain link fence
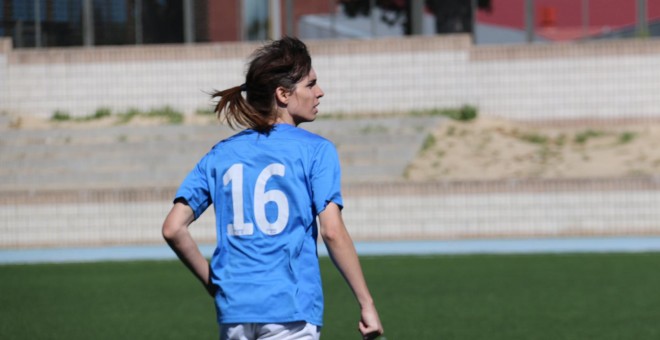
378,211
56,23
128,186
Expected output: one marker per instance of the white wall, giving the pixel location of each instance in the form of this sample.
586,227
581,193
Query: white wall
608,79
368,217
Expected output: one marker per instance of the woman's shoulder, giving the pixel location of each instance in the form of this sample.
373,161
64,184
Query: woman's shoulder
289,131
237,137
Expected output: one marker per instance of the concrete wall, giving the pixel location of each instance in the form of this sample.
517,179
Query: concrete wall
609,79
405,211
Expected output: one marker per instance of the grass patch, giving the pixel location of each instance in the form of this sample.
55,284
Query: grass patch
126,117
206,111
167,113
584,136
627,137
568,296
98,114
60,116
464,113
429,142
535,138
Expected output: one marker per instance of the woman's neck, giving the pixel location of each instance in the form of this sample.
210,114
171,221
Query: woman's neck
284,117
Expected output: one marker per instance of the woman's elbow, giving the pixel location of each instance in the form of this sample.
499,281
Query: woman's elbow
328,235
178,219
169,230
334,233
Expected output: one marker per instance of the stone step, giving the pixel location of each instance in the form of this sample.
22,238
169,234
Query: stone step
130,156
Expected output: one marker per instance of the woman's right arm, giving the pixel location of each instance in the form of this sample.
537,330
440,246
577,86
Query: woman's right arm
176,233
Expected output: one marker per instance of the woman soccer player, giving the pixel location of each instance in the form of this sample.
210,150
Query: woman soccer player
268,184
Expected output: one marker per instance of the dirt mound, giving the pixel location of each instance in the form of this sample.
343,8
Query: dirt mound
488,148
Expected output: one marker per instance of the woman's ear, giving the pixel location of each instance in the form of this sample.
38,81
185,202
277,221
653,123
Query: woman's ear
282,95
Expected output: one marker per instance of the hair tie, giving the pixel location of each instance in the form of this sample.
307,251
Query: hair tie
243,87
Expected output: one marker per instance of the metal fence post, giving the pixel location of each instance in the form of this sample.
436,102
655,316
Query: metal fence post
37,23
88,22
585,19
289,18
417,17
139,34
188,22
642,19
529,20
275,20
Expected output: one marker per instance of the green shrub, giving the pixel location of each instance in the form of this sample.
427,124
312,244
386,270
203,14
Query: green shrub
172,116
467,112
464,113
98,114
534,138
102,112
60,116
626,137
429,142
584,136
127,116
207,111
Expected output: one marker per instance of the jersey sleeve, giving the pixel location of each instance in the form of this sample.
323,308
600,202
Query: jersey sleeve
326,178
195,189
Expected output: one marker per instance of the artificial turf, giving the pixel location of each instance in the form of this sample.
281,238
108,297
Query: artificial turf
562,296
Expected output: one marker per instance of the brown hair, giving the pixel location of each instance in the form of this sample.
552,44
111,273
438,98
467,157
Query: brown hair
282,63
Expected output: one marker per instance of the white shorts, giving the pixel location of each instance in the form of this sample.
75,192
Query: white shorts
270,331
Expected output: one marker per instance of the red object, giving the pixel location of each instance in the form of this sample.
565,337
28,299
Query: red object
548,16
562,19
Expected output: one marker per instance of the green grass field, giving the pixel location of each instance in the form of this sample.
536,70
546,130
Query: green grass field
571,296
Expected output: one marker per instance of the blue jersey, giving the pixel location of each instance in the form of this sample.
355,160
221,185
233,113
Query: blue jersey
267,190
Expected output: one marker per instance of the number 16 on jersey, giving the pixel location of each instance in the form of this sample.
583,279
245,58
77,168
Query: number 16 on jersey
239,227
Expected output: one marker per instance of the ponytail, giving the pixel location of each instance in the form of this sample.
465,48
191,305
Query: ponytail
282,63
238,112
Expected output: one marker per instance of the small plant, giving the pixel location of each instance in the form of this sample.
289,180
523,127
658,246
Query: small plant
99,114
464,113
102,112
172,116
207,111
467,112
561,140
534,138
60,116
626,137
429,142
125,117
406,172
583,137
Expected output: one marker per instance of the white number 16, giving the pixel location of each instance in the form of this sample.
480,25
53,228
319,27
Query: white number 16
261,197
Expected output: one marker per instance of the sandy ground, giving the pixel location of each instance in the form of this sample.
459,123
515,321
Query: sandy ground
488,148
